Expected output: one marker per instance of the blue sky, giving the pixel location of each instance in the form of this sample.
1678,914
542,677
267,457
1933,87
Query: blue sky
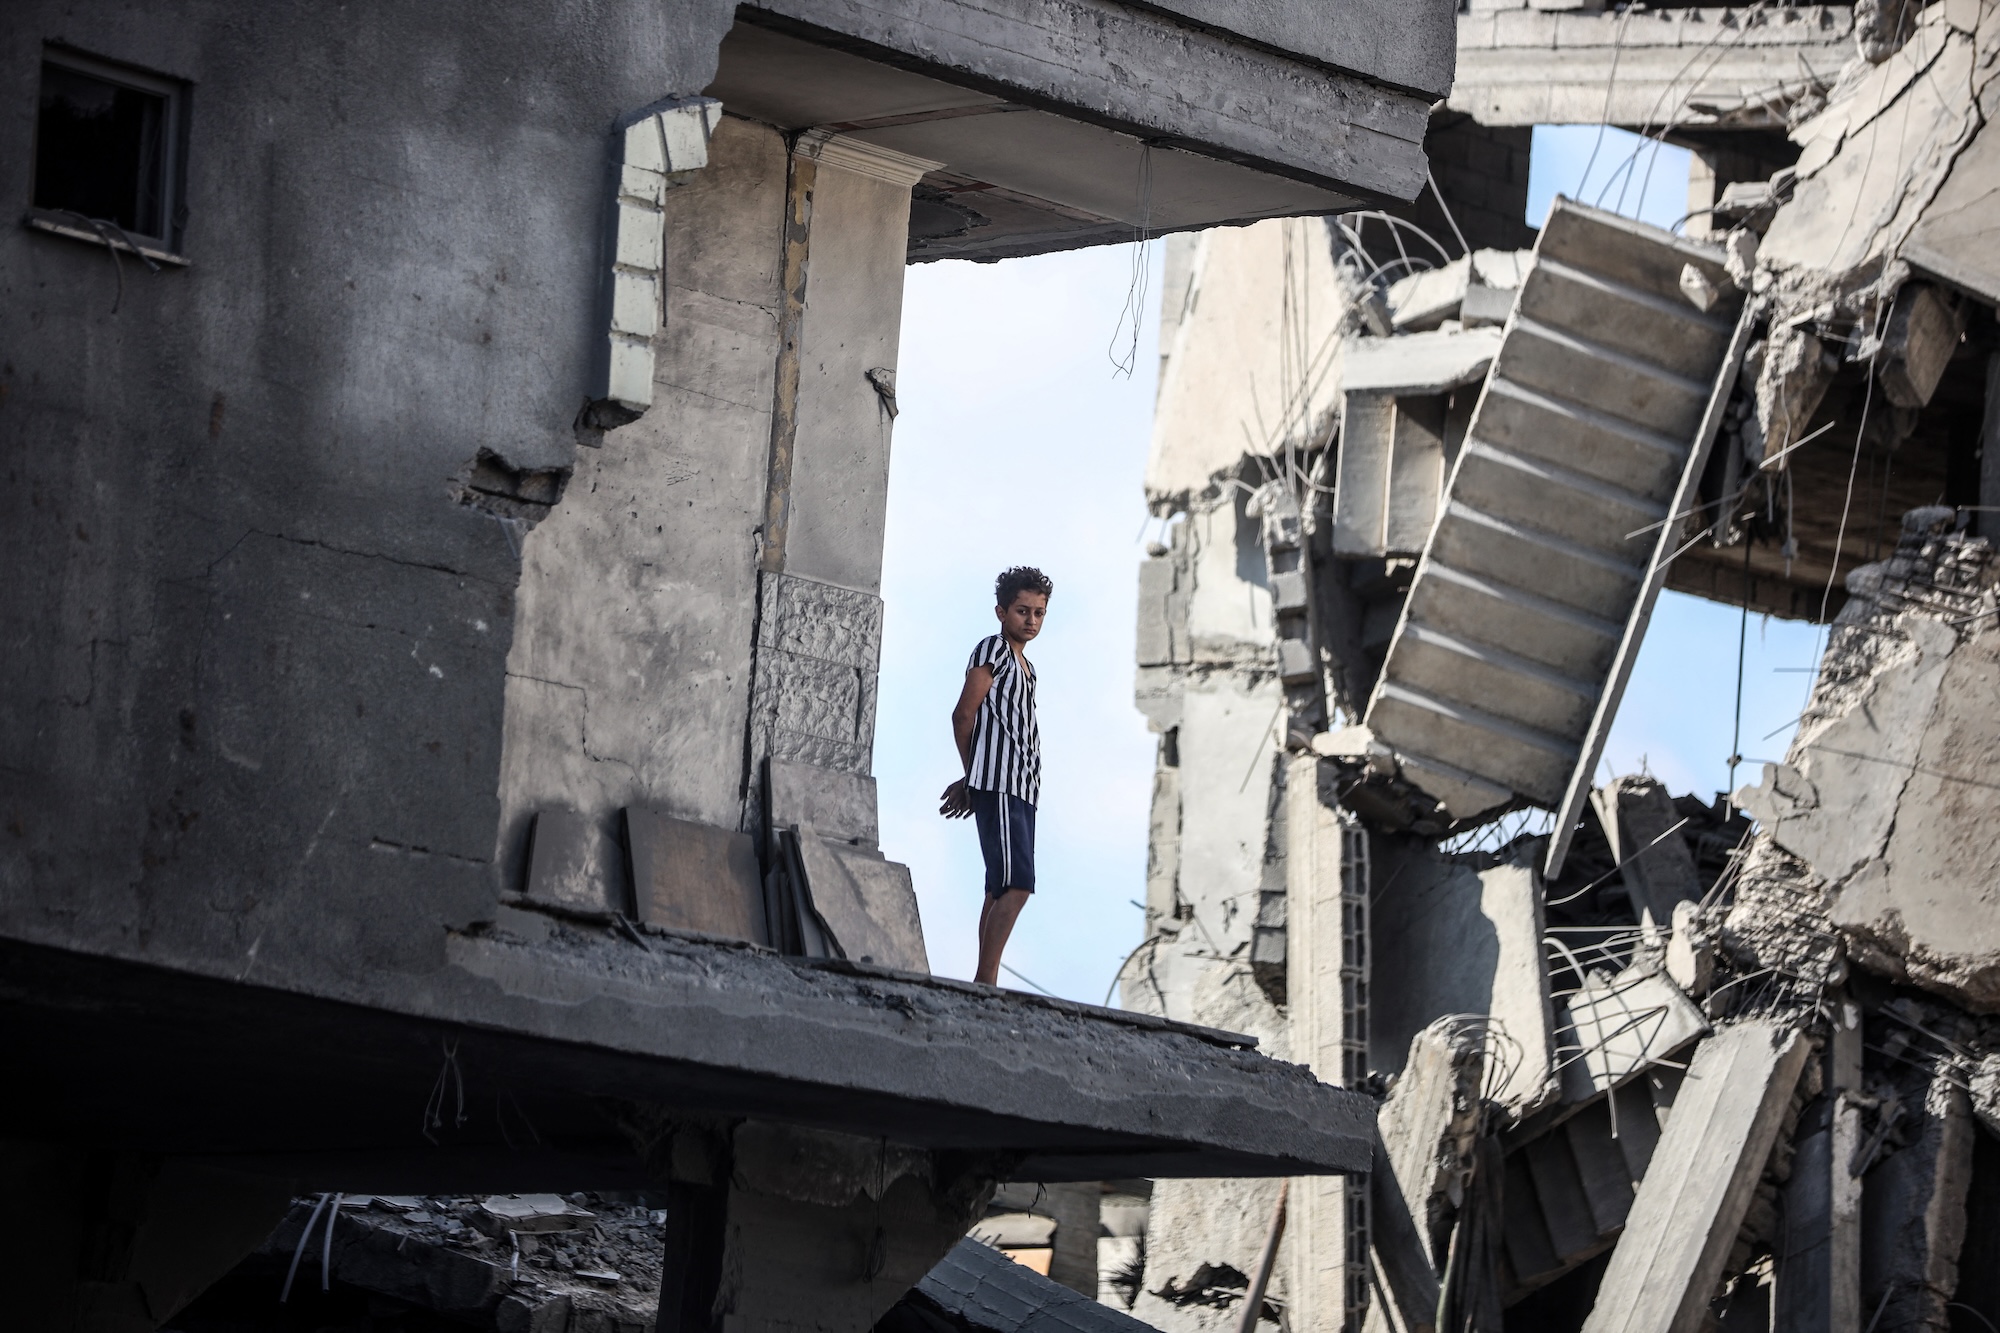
1018,444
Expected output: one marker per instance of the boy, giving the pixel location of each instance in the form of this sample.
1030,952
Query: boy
1000,744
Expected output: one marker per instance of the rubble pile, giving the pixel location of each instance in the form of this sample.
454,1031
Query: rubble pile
1648,1061
535,1263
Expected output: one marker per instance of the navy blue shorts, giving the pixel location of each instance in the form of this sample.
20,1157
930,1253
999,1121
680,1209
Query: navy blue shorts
1006,839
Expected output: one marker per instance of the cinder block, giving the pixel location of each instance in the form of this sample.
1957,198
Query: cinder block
684,131
643,148
641,186
631,379
639,231
635,304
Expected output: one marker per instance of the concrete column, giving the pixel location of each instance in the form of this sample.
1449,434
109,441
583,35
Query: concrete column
1326,980
777,1227
1914,1216
1698,1187
836,495
1817,1288
819,617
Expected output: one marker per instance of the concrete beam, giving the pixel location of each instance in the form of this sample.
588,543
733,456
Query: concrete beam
1142,74
1522,66
1668,1263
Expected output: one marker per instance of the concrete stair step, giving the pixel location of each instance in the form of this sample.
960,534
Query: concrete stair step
1661,329
1576,366
1524,421
1538,629
1558,570
1484,744
1556,500
1502,683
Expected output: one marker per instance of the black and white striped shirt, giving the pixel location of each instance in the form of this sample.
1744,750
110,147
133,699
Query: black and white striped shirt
1006,738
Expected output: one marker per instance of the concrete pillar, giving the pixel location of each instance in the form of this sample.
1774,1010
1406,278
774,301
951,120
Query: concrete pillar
1327,980
1817,1287
777,1227
1913,1218
819,609
1686,1214
109,1242
1075,1208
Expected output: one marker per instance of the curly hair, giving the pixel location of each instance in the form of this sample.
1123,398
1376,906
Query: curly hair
1021,578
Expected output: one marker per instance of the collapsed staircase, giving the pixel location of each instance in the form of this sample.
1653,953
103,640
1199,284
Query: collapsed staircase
1536,583
1569,1187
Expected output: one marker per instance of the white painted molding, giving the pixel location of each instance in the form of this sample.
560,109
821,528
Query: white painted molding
661,150
864,158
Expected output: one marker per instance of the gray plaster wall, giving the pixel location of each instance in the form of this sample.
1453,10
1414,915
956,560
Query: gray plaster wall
254,650
629,678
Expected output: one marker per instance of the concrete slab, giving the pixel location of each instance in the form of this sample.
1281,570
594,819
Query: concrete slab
1684,1219
1449,939
688,876
866,900
1957,238
1615,1027
1428,1125
1418,363
1658,870
567,864
977,1288
335,1089
837,804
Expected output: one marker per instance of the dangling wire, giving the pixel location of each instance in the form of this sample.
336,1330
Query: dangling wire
1742,639
1134,312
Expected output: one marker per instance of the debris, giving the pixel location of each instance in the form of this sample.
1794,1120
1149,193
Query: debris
1618,1026
1923,332
694,877
1698,288
1698,1188
533,1214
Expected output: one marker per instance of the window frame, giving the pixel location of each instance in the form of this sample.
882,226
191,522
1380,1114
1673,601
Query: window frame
174,95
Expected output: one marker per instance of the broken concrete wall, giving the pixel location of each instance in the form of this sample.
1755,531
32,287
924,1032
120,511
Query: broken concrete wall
1449,938
626,683
747,595
270,642
1882,797
1254,356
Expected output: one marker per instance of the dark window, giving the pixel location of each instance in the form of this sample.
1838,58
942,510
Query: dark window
105,146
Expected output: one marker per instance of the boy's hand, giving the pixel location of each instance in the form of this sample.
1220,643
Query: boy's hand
955,804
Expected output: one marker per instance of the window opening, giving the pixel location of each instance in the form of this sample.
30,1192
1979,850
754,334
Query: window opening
106,146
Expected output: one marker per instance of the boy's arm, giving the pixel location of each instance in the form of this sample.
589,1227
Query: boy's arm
964,716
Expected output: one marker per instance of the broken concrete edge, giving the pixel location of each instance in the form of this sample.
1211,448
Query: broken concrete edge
1236,1041
976,1286
719,1031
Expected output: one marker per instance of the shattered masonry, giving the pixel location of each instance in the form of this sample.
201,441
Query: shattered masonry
1645,1062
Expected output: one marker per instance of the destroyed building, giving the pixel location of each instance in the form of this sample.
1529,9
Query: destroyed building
446,449
1643,1060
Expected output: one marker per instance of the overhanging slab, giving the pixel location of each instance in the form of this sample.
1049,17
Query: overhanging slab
503,1070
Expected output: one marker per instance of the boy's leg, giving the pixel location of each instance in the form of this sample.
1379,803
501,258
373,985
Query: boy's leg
1010,878
996,924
